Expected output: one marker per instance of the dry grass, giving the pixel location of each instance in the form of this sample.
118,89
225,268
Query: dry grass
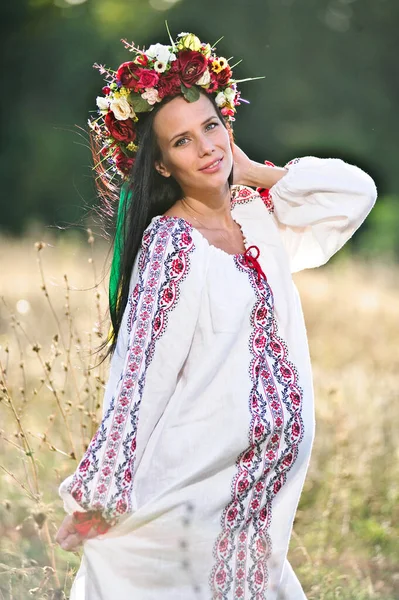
345,543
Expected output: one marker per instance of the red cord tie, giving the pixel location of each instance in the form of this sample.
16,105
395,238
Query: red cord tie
251,261
84,521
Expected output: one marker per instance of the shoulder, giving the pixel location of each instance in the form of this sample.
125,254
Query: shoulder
165,229
168,235
243,195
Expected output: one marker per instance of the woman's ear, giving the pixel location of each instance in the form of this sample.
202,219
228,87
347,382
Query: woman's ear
162,170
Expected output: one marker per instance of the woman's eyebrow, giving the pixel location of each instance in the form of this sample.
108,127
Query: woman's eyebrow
186,132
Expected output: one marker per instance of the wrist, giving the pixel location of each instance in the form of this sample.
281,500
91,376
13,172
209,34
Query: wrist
263,176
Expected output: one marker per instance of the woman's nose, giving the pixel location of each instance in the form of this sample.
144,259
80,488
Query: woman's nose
205,146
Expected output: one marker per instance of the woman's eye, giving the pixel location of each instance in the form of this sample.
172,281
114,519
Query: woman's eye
182,140
178,142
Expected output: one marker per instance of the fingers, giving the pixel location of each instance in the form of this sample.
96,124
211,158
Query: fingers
67,536
71,542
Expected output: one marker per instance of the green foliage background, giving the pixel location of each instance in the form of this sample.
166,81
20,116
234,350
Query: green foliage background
330,89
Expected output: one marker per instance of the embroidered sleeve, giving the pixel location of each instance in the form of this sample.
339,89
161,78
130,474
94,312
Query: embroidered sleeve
265,192
318,205
159,324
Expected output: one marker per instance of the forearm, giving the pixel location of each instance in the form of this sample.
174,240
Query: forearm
263,176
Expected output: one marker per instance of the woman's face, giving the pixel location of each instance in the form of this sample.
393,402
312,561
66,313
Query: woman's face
191,136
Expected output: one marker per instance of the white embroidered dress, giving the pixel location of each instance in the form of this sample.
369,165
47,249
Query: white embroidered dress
208,417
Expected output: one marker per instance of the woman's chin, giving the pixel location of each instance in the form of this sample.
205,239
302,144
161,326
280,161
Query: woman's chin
215,180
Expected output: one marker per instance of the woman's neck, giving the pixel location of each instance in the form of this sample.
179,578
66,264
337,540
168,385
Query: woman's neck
214,208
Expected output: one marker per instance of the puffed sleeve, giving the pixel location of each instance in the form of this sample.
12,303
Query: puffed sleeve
317,206
156,333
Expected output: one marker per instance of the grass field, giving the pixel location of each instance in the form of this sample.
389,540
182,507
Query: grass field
52,315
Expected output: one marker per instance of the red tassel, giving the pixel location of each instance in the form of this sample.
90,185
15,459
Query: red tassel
265,193
252,261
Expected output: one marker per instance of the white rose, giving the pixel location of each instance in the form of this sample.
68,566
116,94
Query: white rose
151,95
102,103
152,51
204,79
230,94
220,99
121,108
160,52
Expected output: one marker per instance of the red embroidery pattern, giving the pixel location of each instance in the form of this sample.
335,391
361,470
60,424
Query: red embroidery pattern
294,161
241,195
265,194
243,546
104,478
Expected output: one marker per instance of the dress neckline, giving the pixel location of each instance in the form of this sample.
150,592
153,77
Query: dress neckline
183,220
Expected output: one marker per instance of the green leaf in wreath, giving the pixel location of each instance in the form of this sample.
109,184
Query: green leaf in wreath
191,94
138,103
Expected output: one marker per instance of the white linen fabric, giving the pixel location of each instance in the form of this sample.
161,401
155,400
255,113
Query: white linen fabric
208,416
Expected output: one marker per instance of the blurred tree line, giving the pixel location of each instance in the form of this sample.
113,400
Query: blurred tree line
330,89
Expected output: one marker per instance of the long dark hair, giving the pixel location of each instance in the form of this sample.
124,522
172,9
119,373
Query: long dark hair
150,194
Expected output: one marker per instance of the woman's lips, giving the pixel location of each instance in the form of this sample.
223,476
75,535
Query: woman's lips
215,166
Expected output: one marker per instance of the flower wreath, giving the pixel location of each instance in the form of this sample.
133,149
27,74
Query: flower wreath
139,84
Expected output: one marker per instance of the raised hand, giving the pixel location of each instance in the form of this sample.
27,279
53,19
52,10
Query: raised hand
242,166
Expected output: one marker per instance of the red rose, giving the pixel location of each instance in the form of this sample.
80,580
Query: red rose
127,74
147,78
191,65
223,77
123,131
169,84
124,163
